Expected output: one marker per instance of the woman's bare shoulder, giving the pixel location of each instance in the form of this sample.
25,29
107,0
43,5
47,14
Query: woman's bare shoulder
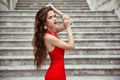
48,37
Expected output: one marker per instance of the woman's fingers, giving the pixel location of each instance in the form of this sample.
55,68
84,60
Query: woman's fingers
49,5
66,20
65,17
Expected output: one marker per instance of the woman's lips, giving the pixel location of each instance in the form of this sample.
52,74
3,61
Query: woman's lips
55,22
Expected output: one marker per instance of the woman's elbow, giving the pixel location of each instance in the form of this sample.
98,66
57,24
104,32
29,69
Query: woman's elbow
71,47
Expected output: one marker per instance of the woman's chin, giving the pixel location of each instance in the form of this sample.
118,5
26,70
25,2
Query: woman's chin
55,25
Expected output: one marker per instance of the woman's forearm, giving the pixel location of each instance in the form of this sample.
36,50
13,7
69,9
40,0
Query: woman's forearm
70,37
57,11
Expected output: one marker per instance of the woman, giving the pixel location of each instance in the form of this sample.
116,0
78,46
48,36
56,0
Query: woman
45,41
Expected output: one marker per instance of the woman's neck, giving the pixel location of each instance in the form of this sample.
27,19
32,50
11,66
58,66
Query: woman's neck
52,30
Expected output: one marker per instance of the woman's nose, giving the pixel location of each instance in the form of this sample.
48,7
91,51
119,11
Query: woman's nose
55,19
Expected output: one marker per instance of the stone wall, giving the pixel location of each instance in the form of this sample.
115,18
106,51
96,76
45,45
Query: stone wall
117,11
105,5
7,4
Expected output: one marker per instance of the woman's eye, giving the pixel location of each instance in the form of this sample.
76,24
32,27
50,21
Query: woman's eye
54,15
50,17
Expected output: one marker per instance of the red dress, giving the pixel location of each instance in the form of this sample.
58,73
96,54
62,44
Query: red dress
56,70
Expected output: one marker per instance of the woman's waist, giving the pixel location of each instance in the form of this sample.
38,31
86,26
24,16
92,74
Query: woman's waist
57,66
59,63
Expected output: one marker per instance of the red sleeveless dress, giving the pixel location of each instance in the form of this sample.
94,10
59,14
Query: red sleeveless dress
56,70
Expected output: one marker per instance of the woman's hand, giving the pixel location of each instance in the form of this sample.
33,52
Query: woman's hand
55,9
67,21
50,6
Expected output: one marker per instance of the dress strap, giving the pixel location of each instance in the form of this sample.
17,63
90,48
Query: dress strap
55,34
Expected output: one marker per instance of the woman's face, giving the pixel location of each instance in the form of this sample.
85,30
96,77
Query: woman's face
51,20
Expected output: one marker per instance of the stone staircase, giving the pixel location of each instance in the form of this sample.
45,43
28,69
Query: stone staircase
97,40
61,4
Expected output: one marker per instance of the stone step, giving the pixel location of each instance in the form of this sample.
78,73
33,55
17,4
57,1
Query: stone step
84,40
69,12
80,28
57,6
69,60
59,3
74,70
63,35
83,48
76,23
78,43
60,8
32,5
74,18
67,78
12,51
51,0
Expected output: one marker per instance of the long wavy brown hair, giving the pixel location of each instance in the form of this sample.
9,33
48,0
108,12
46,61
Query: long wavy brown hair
38,42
